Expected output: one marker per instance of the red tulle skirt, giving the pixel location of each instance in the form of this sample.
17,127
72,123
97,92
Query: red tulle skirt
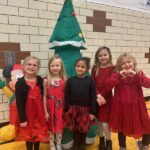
77,118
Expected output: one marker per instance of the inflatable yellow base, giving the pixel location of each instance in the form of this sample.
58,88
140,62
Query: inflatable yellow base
7,133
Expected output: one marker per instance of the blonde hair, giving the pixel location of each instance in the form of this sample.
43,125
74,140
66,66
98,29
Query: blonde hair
27,59
96,60
62,74
129,57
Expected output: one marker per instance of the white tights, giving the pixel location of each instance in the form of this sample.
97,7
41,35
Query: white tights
104,129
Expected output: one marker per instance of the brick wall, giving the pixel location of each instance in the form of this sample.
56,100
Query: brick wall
31,23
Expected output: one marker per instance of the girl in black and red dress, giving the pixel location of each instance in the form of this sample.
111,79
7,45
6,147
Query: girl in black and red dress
81,106
31,126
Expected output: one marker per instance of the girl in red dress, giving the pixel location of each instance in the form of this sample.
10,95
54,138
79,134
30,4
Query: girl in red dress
31,126
129,115
54,100
102,70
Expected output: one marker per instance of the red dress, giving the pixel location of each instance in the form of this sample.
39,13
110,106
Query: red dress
36,129
55,106
104,110
129,114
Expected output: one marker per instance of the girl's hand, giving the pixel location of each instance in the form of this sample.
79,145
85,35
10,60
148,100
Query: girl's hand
23,125
99,96
123,73
131,72
47,116
98,99
101,101
92,117
127,73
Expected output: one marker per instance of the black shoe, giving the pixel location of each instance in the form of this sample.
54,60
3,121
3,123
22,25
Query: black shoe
102,143
108,145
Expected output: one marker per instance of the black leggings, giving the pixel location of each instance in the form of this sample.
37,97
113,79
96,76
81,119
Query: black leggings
29,145
122,140
146,139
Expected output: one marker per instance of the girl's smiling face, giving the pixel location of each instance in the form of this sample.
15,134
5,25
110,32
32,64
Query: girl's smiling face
31,67
127,64
103,57
55,67
81,68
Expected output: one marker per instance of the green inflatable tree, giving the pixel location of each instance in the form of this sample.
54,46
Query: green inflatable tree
67,38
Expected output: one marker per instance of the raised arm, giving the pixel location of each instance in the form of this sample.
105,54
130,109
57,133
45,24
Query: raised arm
111,82
143,80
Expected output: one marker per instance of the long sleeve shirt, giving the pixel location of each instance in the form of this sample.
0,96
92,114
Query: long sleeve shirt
81,92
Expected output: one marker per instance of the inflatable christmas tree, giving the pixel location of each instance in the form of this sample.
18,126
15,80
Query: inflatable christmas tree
67,38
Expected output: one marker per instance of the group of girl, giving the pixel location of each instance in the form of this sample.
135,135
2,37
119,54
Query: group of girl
46,106
124,111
